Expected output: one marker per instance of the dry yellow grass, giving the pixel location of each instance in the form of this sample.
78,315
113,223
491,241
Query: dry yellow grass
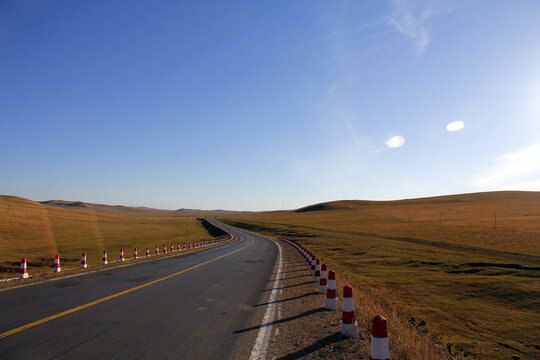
440,260
37,232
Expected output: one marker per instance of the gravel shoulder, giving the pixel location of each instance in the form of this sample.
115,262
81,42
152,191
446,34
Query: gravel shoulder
303,329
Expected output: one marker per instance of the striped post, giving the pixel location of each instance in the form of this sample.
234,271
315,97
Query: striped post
56,266
331,299
23,274
147,252
121,254
104,258
379,339
135,255
157,250
349,327
317,271
83,261
322,280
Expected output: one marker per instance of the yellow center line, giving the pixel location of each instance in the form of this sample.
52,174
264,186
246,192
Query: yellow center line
95,302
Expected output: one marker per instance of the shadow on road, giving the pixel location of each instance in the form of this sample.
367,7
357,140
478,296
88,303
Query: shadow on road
304,314
290,286
289,299
292,277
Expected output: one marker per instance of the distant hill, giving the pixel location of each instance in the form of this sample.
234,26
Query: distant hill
491,197
133,211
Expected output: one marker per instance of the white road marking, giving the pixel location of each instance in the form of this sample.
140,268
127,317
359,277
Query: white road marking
263,337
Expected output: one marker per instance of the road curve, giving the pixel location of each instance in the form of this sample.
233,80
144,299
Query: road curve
195,314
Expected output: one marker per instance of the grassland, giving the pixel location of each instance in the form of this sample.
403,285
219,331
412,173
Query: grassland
473,281
39,231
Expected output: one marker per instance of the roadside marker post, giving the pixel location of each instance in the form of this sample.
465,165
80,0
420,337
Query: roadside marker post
83,261
379,339
322,280
56,266
121,254
331,299
317,270
104,258
23,274
349,327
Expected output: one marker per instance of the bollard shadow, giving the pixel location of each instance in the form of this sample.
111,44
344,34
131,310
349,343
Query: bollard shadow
331,339
288,272
290,286
292,277
288,299
281,321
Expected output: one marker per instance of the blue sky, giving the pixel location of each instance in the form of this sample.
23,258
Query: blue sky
267,105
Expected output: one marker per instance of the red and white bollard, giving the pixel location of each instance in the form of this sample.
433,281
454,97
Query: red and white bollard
83,261
184,246
157,250
164,249
349,327
147,252
379,339
331,299
56,266
23,274
178,247
121,254
172,248
322,280
317,275
312,266
104,258
135,255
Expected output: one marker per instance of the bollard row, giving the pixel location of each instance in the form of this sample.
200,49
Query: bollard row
349,327
23,273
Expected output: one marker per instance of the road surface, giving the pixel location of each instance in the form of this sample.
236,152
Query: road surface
198,312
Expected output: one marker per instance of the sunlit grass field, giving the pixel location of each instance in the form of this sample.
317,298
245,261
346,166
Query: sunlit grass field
37,232
474,279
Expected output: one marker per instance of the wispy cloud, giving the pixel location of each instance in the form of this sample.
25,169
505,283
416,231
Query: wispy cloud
518,170
411,18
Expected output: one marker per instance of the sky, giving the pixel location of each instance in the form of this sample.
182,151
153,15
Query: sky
249,105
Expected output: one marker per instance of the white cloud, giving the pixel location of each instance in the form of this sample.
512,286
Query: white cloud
518,170
395,141
411,18
455,126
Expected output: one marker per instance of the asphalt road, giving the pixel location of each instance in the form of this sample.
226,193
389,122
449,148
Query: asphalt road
197,314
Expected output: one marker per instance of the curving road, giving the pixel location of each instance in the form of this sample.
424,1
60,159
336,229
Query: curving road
195,313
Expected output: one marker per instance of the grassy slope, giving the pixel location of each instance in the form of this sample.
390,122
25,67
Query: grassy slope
37,232
476,286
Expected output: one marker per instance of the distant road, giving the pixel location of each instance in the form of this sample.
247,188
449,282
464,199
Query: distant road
192,314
